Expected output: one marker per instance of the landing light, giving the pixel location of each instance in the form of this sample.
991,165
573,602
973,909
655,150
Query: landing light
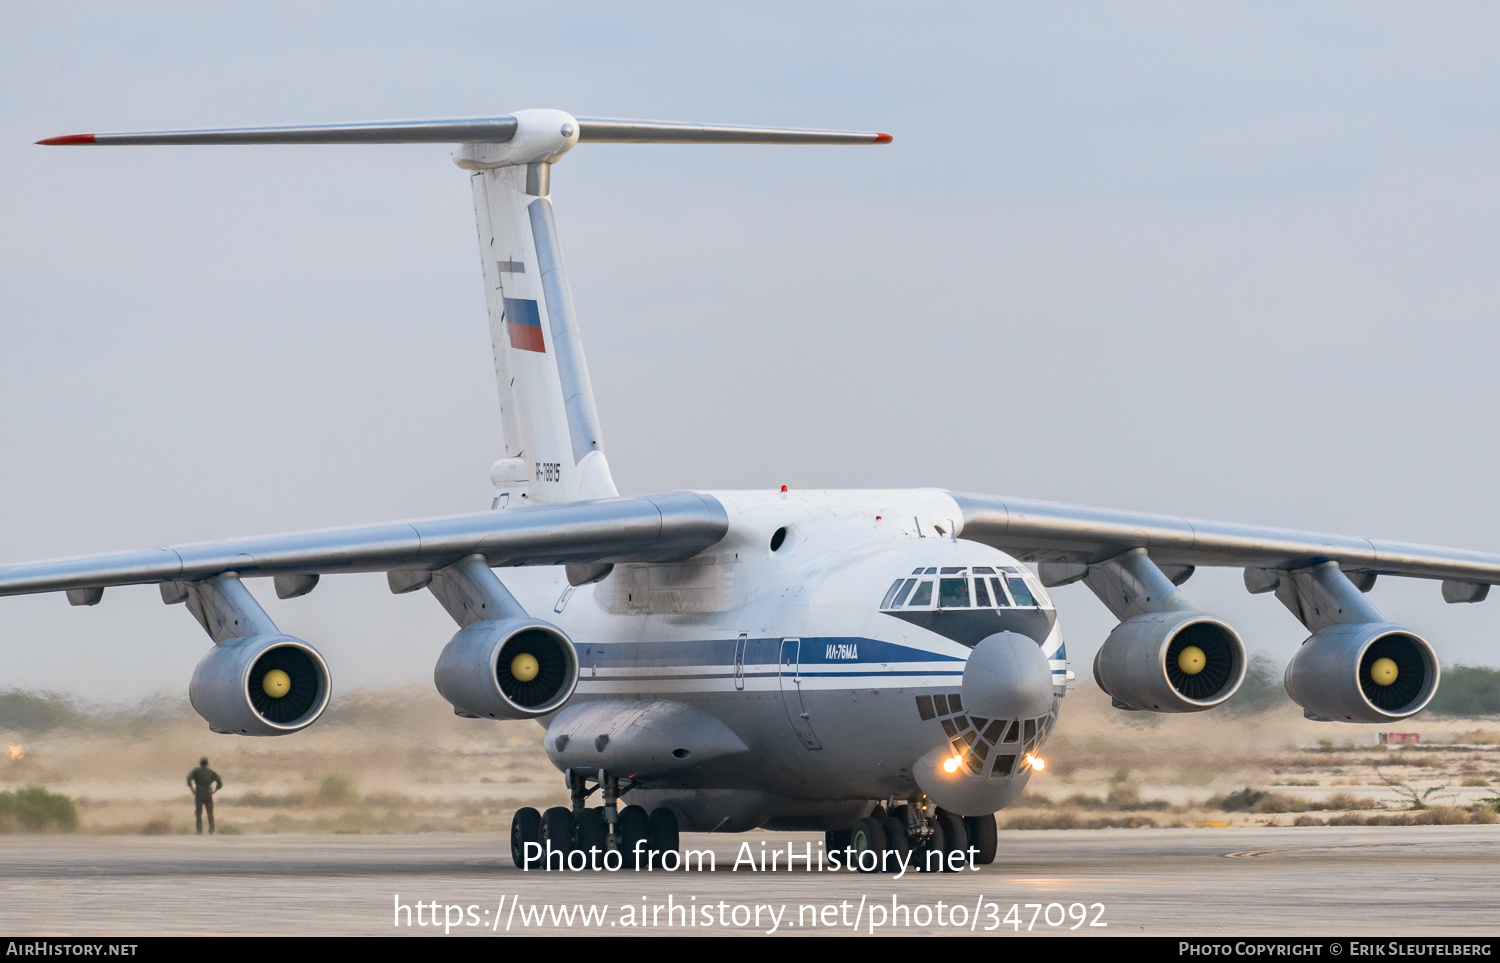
951,764
1037,763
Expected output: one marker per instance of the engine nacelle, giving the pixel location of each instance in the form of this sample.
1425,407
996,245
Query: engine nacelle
263,685
507,669
1365,672
1176,661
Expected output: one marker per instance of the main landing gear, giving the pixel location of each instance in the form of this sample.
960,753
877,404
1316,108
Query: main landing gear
919,835
584,838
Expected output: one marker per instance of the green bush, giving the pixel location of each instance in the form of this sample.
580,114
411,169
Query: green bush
1262,689
1260,801
35,810
33,712
1467,690
40,711
1242,800
337,790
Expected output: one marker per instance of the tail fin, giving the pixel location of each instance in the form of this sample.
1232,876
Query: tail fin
553,449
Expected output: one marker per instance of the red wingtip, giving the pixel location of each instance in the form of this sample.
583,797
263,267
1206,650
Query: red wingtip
883,138
68,139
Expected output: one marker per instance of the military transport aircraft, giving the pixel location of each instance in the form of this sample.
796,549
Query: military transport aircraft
878,665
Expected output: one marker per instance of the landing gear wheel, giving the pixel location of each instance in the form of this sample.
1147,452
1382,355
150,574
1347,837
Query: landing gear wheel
983,836
867,836
634,826
557,831
525,827
936,843
592,833
661,834
897,845
955,839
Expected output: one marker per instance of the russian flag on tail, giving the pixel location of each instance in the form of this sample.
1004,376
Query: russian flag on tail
523,322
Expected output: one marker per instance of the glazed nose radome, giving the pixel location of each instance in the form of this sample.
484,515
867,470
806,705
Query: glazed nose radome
1007,676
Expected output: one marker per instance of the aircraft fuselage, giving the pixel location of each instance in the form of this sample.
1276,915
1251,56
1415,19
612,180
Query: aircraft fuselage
800,650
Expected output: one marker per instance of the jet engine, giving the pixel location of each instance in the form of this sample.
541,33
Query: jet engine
507,669
1173,661
262,685
1363,672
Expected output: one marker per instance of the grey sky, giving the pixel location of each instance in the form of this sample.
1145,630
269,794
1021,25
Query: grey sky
1234,261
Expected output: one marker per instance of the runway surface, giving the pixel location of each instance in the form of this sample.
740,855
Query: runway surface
1363,881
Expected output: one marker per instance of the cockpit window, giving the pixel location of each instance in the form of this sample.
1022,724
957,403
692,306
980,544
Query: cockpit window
953,593
963,587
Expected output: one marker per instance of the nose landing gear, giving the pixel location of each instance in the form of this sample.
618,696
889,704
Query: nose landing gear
918,835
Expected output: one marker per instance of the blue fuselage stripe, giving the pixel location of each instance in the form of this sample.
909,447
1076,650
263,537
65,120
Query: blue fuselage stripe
812,652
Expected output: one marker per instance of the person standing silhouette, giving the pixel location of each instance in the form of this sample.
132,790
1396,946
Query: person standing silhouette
204,782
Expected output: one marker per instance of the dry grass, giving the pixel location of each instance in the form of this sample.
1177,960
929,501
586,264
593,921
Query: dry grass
389,761
1116,768
400,761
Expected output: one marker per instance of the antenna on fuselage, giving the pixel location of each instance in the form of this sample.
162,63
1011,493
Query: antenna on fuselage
550,424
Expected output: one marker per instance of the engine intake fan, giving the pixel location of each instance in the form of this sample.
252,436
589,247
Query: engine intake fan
1365,672
263,685
507,669
1179,661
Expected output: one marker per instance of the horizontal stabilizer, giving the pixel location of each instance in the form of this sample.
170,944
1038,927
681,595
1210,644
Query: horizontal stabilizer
604,131
478,130
481,130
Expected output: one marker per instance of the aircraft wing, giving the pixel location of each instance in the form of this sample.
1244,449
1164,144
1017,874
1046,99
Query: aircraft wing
658,528
1051,532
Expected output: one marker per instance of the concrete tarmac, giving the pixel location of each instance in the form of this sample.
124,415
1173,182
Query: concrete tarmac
1353,881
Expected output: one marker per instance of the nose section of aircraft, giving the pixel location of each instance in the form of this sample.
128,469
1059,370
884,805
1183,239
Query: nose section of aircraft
1007,679
1007,676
